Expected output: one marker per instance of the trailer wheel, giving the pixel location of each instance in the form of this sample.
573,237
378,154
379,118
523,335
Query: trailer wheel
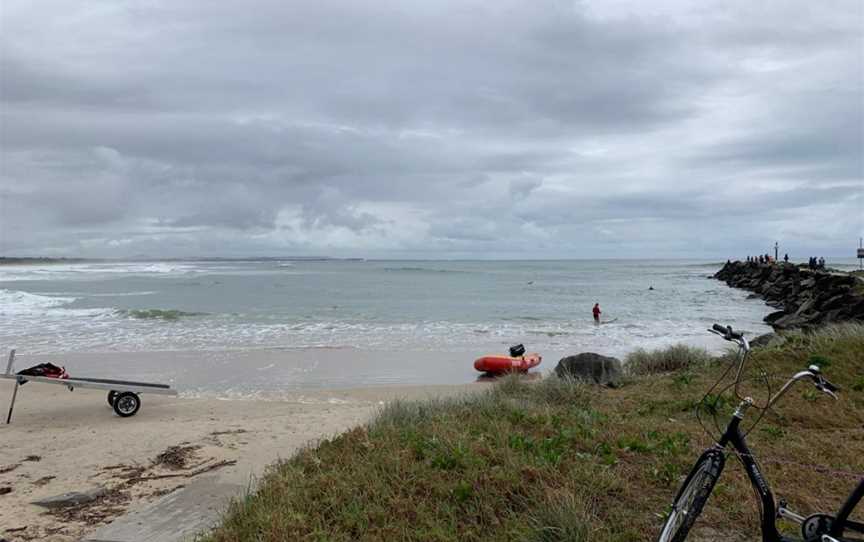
111,396
126,404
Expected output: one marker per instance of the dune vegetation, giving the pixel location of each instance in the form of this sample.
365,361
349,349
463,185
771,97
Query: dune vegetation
674,358
559,460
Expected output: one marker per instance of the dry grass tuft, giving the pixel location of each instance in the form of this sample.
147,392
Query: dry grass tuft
673,358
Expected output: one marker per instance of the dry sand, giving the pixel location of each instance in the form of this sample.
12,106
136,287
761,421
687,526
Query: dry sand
60,441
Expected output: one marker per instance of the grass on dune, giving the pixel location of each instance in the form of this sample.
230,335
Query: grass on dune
672,358
557,460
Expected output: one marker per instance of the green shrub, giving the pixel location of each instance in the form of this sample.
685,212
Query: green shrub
821,361
673,358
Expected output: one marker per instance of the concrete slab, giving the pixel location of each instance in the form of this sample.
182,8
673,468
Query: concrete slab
177,517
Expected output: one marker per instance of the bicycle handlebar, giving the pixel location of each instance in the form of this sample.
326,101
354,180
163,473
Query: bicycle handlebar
727,332
814,374
822,384
827,388
743,349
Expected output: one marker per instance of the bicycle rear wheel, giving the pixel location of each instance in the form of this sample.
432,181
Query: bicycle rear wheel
692,496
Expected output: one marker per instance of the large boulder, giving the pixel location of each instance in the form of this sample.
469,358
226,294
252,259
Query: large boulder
856,310
764,340
592,367
806,306
838,301
831,317
774,316
794,321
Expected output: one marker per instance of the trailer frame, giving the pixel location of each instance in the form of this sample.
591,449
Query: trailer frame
126,389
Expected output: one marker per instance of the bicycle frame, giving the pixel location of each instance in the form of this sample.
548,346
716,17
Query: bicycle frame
823,526
769,510
842,521
733,436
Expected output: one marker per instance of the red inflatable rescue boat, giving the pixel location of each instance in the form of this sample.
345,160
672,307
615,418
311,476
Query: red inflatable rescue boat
507,364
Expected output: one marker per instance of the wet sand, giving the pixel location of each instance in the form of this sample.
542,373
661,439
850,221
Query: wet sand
62,441
269,372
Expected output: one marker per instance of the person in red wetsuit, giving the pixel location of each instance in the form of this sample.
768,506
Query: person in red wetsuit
597,313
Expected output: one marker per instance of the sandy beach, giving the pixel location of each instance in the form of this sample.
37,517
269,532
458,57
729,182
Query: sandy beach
60,442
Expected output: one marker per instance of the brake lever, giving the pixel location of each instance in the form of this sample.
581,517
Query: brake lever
825,389
824,386
724,336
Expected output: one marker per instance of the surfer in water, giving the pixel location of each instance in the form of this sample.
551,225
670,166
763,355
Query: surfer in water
597,312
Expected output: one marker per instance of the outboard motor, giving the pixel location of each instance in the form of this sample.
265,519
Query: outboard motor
517,351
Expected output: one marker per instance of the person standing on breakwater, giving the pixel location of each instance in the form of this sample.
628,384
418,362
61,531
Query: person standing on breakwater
597,312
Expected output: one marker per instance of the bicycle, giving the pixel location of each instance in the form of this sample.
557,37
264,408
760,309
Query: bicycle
699,484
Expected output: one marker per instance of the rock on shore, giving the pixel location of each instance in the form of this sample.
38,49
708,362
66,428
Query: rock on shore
806,298
591,367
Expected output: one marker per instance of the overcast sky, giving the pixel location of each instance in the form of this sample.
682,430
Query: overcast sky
431,129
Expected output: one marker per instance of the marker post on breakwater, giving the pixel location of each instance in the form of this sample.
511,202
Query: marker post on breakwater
861,253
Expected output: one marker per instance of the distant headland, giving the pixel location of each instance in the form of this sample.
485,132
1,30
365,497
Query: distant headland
44,260
27,260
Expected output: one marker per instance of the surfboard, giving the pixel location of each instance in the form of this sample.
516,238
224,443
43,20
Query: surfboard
609,321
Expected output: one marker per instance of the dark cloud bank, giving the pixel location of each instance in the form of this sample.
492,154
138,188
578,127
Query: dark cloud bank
431,129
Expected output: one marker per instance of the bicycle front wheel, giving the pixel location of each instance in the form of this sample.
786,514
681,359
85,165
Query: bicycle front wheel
692,496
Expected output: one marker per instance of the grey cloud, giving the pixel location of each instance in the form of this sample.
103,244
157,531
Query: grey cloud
467,229
432,128
233,206
815,131
522,188
331,207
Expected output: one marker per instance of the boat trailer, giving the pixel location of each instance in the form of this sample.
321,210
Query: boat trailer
123,395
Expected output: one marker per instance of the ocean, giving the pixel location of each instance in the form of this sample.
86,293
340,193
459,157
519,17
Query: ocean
227,327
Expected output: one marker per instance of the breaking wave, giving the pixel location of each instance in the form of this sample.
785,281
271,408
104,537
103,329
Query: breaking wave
170,315
16,302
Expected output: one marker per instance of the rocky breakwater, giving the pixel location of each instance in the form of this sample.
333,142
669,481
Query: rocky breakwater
806,298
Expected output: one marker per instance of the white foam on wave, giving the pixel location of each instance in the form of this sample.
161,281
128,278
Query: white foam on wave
14,302
14,273
46,324
145,268
104,331
103,294
124,294
164,268
89,271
